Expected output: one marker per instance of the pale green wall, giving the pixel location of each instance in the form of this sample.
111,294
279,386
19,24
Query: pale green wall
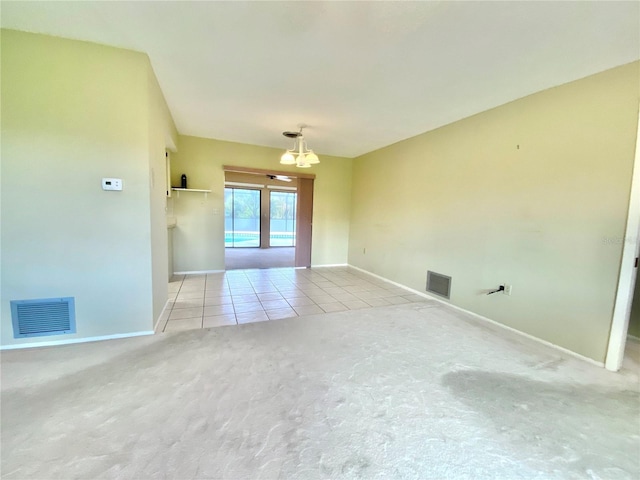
547,216
162,135
72,113
199,235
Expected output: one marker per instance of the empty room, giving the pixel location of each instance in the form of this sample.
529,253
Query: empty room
312,240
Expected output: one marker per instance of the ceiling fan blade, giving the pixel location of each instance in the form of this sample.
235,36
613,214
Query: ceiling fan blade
282,178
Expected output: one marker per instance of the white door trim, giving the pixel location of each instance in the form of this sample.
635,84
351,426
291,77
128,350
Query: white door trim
628,273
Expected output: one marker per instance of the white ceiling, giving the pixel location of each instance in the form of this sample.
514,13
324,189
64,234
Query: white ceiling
362,75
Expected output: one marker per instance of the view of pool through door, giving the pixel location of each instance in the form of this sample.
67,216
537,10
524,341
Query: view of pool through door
282,219
242,218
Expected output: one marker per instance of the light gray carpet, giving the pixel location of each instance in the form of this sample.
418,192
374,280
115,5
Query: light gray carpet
246,258
414,391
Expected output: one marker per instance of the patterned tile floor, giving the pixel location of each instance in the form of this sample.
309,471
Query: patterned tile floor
245,296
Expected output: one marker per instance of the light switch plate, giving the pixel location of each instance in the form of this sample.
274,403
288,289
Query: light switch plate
112,184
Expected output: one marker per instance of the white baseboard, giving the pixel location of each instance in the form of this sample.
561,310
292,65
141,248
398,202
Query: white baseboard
330,265
633,337
53,343
473,314
198,272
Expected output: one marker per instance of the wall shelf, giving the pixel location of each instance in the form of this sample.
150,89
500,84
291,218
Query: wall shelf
197,190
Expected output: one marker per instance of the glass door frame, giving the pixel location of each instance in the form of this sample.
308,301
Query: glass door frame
293,220
233,217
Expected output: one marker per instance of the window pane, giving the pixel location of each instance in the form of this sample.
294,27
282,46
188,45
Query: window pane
241,217
283,219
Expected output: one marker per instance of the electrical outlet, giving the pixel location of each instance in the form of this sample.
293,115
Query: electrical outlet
507,289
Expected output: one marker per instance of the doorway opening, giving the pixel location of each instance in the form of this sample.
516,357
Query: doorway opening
262,219
242,227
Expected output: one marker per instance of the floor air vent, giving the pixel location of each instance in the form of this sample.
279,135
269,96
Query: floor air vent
43,316
438,284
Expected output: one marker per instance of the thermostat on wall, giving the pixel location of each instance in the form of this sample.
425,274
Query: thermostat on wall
112,184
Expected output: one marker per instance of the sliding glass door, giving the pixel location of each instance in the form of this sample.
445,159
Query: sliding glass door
282,225
241,217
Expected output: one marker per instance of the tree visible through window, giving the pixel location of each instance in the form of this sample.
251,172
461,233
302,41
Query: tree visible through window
241,217
282,219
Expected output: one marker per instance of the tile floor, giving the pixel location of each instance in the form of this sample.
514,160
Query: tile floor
245,296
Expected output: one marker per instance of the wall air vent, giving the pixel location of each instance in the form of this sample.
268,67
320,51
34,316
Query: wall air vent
438,284
43,316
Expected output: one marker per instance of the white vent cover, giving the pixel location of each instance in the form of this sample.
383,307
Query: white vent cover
43,316
438,284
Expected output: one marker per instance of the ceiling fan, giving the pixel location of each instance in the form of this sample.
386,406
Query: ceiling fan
282,178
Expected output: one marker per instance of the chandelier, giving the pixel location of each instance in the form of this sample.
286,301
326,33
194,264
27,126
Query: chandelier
299,155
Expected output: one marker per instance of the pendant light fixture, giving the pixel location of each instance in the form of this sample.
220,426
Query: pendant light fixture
299,155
